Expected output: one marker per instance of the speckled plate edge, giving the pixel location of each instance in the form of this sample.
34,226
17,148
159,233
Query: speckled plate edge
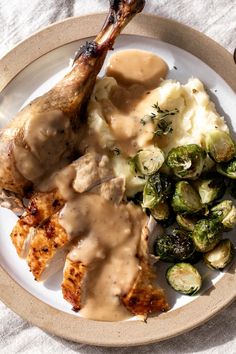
165,325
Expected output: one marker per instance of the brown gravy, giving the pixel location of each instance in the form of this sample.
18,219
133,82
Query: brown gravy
51,129
110,235
134,66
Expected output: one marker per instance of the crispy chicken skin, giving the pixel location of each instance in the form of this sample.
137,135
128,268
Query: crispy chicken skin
48,242
144,296
73,277
40,207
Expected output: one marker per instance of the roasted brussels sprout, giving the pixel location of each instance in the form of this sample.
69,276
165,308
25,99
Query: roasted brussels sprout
124,167
219,145
227,169
206,235
210,189
220,256
186,222
161,211
225,213
149,161
157,188
173,247
186,161
184,278
186,199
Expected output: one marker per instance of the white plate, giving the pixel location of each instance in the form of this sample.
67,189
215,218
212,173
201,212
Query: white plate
38,78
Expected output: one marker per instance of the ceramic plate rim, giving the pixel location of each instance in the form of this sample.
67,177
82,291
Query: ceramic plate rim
168,324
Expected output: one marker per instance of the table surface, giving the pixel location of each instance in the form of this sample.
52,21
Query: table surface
19,19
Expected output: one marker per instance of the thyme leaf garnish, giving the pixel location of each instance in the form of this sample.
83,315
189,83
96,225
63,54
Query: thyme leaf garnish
163,127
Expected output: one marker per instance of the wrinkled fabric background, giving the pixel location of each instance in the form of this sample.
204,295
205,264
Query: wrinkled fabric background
19,19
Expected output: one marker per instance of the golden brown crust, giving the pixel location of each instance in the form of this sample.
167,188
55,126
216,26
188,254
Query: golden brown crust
10,181
48,238
19,235
145,298
41,206
74,273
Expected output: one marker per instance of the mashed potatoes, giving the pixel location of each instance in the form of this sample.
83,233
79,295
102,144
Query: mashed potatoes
121,119
113,126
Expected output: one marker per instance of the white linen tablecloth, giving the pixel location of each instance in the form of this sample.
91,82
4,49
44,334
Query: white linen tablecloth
19,19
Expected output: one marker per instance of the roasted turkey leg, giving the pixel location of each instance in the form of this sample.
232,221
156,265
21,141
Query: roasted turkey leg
44,135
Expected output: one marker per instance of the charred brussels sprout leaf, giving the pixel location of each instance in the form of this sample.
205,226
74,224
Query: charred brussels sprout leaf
220,146
149,161
227,169
206,235
225,213
184,278
220,256
186,161
186,222
176,246
157,188
186,199
210,189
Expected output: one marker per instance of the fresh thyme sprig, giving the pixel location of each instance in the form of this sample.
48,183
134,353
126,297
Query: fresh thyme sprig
163,127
